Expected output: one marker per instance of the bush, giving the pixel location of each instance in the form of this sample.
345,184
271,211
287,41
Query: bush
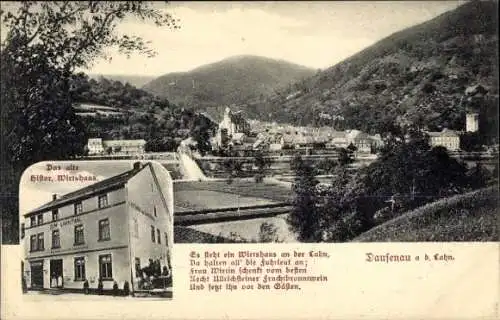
428,88
126,288
115,288
268,233
86,286
259,177
99,287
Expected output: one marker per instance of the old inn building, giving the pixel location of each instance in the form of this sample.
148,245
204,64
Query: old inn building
111,231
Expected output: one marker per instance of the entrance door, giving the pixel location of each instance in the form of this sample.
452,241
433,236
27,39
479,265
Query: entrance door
37,274
56,273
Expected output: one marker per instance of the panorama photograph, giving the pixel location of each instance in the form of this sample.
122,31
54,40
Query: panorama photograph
284,122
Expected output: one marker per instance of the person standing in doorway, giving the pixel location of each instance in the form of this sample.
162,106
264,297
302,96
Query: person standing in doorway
53,280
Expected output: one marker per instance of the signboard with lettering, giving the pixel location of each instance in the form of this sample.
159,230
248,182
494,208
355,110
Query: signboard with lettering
65,222
75,248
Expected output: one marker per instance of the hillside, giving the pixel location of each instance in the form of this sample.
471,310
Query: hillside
417,75
466,217
134,80
115,94
112,110
235,80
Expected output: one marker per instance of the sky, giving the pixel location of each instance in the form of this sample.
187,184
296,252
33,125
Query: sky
313,34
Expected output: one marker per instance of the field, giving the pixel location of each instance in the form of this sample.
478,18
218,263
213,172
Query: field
191,200
272,192
247,230
321,179
467,217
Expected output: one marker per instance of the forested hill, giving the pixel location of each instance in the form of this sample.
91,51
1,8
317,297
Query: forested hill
112,93
235,80
416,75
135,80
130,113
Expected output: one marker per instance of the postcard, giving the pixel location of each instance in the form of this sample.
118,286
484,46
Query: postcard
248,160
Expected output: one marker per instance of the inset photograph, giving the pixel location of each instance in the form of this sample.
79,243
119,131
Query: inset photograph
96,228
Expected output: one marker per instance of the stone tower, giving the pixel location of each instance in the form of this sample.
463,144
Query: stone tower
472,122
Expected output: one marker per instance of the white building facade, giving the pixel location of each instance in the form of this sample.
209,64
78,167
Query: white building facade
113,232
98,146
95,146
472,122
448,139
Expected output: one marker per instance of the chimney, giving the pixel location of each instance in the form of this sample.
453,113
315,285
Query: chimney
54,197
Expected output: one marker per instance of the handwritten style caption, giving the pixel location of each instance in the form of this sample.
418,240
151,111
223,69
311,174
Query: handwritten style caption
218,271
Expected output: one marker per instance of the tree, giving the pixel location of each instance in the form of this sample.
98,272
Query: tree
327,166
345,157
343,212
478,176
411,173
201,131
296,162
262,163
351,148
268,233
233,168
303,219
45,43
470,141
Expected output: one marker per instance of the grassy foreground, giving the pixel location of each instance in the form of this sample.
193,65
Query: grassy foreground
471,216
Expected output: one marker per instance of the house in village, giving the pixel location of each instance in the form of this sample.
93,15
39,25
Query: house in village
304,142
359,139
115,231
449,139
362,142
241,142
338,140
376,141
275,146
287,141
98,146
95,146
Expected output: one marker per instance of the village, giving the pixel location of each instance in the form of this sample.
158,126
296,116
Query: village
215,193
242,137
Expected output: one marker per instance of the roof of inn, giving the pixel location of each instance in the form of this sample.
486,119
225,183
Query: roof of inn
109,183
